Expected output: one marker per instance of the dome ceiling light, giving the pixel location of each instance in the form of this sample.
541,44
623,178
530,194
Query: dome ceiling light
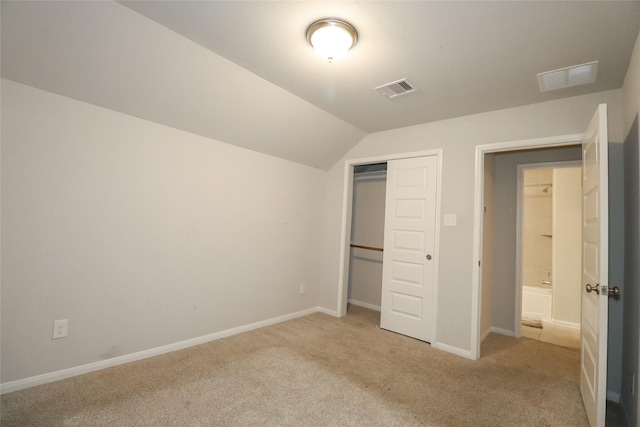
331,38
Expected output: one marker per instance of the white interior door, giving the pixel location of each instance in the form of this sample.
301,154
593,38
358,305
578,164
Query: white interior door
595,268
408,266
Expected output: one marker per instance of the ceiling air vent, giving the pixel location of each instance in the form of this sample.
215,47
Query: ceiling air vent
567,77
397,88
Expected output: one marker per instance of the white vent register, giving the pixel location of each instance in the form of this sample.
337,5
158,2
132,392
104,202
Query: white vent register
397,88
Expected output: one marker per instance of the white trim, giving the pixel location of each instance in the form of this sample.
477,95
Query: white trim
500,331
481,150
345,239
527,144
364,304
453,350
436,249
327,311
345,233
476,280
517,320
11,386
565,324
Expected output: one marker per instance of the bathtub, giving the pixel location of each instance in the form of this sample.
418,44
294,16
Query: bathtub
536,303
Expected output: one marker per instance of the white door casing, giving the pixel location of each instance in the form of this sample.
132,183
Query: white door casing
595,269
408,272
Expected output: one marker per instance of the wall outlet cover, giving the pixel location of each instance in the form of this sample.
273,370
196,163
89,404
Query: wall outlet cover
450,220
60,328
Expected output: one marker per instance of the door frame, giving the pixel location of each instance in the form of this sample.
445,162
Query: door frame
478,200
347,212
519,214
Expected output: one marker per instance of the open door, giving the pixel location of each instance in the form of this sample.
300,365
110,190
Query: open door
408,267
595,268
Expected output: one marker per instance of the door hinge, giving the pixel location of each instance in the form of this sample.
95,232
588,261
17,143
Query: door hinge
478,263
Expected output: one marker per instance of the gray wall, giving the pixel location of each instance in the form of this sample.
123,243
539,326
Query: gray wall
367,228
631,108
631,272
616,268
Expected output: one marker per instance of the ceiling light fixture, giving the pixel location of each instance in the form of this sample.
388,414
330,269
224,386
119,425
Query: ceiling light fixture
331,38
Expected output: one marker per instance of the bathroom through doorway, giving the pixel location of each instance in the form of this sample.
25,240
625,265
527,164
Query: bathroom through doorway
549,256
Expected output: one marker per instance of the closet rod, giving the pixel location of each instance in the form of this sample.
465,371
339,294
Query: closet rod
371,248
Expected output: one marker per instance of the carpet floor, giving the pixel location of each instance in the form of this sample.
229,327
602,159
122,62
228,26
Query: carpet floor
318,371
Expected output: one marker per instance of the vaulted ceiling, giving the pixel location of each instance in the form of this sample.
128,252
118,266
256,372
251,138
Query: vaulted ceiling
242,71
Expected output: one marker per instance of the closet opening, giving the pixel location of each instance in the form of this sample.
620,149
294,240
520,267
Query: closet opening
389,257
367,235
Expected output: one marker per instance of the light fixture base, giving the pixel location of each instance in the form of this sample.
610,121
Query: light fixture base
331,37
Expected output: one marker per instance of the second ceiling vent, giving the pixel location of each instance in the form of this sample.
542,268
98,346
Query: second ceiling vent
397,88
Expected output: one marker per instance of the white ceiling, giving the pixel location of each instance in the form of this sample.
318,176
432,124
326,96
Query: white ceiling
464,57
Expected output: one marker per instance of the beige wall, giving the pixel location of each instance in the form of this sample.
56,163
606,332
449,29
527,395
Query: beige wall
567,243
458,139
537,220
140,234
367,228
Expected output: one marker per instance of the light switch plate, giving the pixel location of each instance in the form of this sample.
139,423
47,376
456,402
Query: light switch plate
450,220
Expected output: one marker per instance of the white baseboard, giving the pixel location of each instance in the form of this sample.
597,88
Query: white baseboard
364,304
504,332
454,350
565,324
326,311
613,396
49,377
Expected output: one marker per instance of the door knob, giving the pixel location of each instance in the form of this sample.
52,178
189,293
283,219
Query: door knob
595,288
429,257
614,291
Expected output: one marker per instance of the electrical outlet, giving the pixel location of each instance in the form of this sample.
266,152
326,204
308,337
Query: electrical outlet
303,288
60,328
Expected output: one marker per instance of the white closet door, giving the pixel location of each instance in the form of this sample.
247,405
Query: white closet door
408,272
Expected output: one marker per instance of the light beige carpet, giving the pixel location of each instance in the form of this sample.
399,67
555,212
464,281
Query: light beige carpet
318,371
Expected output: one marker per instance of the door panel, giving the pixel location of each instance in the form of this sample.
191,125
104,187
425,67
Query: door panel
595,253
407,275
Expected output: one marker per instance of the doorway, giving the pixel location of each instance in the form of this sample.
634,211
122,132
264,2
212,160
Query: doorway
549,252
495,227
